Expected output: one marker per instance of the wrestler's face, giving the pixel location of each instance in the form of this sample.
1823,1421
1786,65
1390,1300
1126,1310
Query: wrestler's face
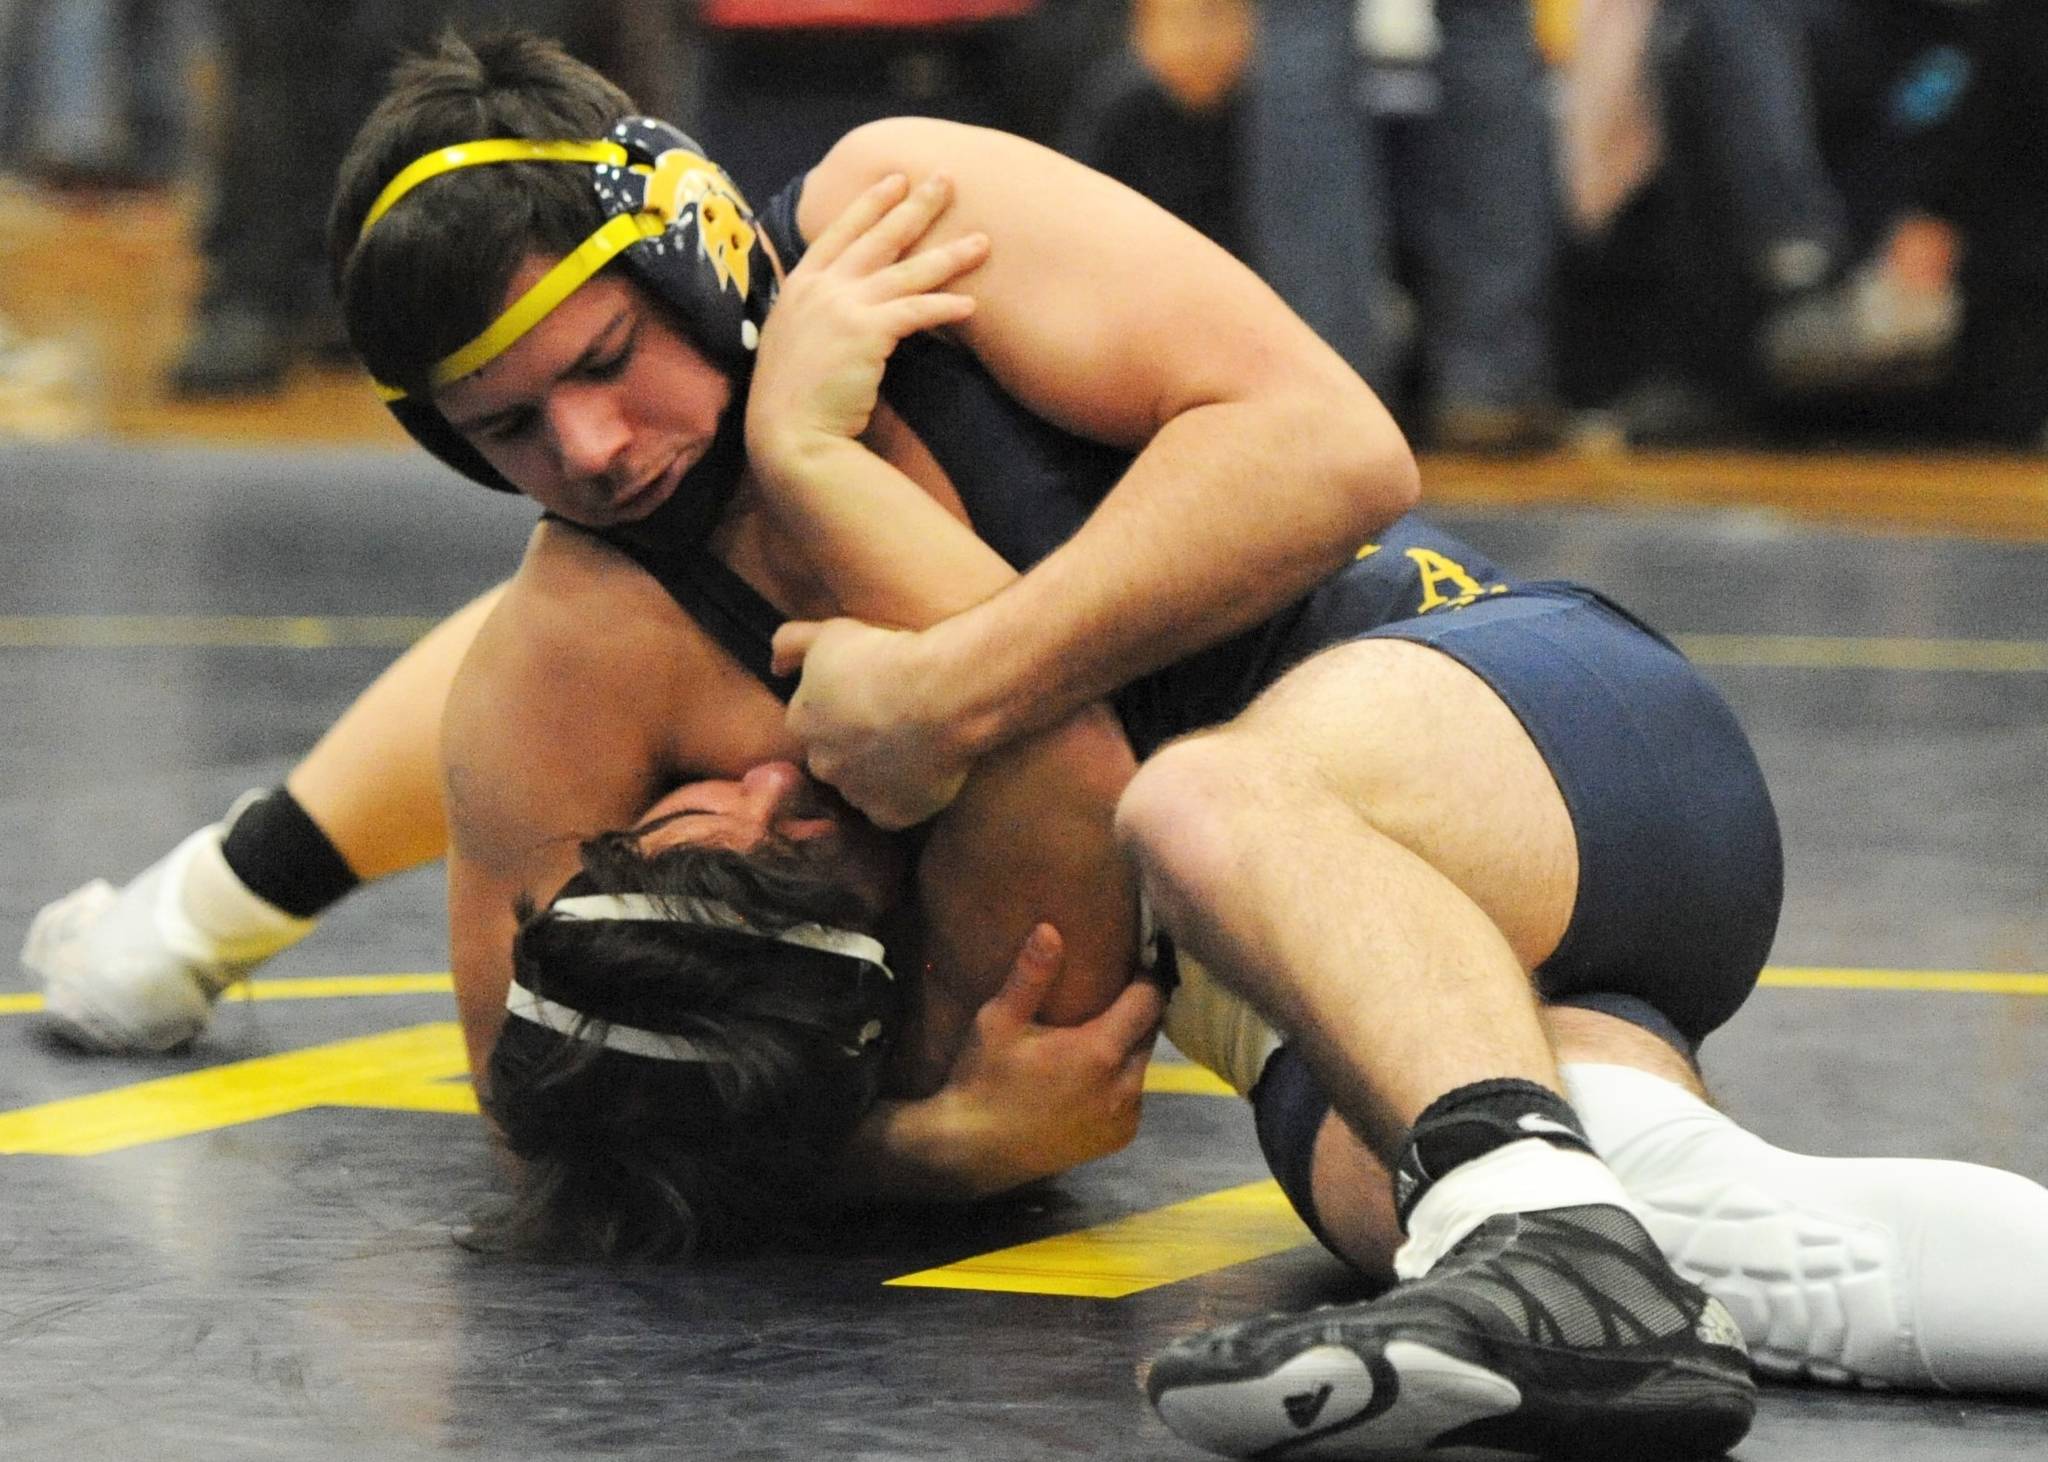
598,411
777,804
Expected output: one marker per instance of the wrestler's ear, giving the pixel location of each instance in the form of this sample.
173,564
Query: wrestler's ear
792,643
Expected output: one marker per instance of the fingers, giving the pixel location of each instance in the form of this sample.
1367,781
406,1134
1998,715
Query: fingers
863,213
929,268
880,226
1131,1023
902,225
1031,974
792,644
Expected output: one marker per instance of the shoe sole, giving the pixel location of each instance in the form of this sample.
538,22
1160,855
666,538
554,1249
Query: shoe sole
1409,1399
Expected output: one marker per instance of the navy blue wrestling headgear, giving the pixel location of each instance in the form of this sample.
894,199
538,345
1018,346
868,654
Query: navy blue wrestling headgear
687,235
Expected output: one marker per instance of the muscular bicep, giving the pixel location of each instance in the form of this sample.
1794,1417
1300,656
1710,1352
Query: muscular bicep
1096,308
1030,840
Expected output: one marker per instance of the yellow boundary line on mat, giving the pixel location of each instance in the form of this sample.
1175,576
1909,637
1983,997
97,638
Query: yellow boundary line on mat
1941,982
1777,977
421,1068
320,632
323,987
209,631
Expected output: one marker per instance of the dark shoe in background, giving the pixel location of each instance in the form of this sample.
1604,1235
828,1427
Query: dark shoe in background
236,348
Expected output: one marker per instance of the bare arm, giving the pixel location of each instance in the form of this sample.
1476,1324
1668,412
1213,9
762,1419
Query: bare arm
1030,838
584,695
1262,460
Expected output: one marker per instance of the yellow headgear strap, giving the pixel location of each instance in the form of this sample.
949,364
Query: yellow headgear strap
568,275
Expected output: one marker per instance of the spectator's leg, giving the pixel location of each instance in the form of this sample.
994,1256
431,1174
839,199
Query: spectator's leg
1738,71
1314,185
1489,232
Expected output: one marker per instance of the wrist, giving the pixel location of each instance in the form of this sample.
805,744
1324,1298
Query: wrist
962,703
793,457
934,1149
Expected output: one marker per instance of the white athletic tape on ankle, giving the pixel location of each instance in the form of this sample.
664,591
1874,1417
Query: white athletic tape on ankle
1522,1177
206,915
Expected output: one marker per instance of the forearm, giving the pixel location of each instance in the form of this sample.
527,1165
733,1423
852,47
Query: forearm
1232,513
887,550
1029,839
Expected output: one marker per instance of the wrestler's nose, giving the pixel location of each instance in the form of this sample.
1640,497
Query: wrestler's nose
590,433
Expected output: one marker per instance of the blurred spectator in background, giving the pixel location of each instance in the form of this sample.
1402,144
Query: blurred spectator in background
1163,113
298,78
1993,185
1765,172
1354,145
95,94
779,81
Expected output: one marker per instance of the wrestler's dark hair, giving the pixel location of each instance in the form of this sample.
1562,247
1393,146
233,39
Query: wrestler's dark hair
433,274
630,1157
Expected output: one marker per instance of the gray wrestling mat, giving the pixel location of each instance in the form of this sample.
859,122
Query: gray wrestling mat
243,1251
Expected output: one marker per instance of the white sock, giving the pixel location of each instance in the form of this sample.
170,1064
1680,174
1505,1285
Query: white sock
206,914
1523,1177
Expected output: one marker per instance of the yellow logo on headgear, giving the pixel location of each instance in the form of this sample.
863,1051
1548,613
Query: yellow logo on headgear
681,179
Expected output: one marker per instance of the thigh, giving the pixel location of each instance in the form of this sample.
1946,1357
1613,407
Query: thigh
1423,749
1572,773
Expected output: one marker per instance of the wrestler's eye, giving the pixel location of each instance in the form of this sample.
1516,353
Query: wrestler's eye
614,364
507,428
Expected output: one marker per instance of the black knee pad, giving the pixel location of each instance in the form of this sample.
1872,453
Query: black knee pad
1288,1107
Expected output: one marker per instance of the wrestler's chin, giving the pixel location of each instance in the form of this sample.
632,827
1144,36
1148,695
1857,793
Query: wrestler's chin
648,498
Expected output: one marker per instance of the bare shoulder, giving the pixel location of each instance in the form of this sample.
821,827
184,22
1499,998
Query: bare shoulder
552,725
1096,307
983,162
869,153
587,693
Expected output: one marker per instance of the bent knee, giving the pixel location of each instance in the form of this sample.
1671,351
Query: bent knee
1182,818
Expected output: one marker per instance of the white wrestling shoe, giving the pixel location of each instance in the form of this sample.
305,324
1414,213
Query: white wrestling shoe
139,968
1851,1271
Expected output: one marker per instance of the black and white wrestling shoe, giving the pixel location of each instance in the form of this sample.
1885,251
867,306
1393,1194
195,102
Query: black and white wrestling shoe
1560,1333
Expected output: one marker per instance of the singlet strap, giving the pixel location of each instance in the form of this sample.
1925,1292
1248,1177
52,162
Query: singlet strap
724,604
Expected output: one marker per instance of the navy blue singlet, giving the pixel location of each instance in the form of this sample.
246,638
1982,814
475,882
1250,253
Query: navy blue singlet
1679,871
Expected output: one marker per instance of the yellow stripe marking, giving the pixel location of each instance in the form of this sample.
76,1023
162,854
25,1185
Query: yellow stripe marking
1141,1252
402,1069
1946,982
183,632
1860,652
316,987
1170,1076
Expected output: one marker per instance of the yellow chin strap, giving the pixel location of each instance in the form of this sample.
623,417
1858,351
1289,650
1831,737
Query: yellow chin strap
564,279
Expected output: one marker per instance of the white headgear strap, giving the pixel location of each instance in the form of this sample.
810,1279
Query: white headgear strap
705,913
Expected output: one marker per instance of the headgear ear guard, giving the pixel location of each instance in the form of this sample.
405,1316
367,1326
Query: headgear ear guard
680,225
